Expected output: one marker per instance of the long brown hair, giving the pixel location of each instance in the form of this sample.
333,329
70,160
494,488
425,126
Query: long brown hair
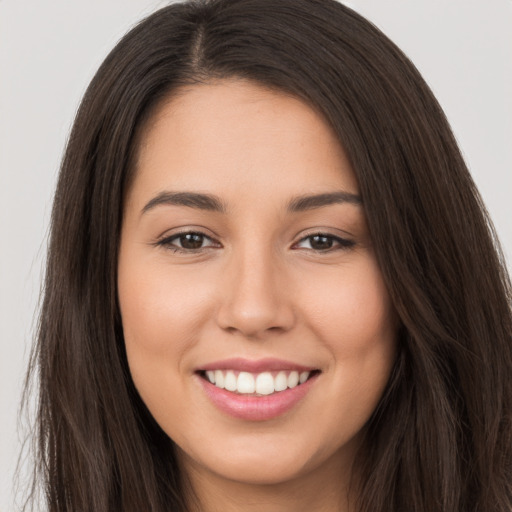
441,436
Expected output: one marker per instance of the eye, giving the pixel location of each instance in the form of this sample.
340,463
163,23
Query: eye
188,241
322,242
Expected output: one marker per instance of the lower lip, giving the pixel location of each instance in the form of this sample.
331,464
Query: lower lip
256,408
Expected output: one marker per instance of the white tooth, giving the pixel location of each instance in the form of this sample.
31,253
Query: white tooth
245,383
303,377
293,379
264,383
211,376
230,381
219,379
281,381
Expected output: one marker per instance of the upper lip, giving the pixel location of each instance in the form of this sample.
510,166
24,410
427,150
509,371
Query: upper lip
255,366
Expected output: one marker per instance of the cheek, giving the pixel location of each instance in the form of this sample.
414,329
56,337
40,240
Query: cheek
352,311
161,310
353,317
161,318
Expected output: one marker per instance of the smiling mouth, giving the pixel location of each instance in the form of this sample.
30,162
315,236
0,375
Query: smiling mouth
257,384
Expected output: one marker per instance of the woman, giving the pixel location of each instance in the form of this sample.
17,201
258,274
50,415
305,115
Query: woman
271,282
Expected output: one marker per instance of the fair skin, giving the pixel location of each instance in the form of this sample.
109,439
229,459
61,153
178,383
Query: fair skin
261,278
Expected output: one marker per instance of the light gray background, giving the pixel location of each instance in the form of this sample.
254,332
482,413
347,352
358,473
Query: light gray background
49,50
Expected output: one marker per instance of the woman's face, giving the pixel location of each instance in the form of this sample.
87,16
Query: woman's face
245,260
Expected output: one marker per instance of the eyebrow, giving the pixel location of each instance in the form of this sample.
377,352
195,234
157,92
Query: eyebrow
191,199
213,203
310,202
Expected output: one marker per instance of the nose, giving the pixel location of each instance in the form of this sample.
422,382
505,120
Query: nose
256,300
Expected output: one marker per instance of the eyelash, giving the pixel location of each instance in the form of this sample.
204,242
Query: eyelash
167,242
338,242
342,243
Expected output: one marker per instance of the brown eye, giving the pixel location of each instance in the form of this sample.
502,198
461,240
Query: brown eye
191,240
322,242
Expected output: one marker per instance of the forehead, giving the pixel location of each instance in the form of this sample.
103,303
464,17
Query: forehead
233,136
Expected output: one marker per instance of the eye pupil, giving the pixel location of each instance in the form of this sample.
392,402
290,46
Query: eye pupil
320,242
191,240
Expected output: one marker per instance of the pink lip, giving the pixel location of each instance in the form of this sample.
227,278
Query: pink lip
257,366
256,408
